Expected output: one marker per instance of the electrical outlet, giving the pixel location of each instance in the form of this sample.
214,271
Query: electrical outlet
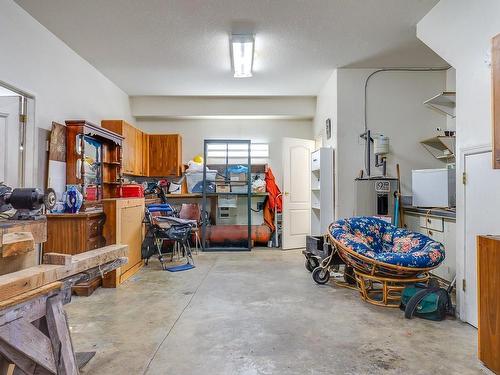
260,205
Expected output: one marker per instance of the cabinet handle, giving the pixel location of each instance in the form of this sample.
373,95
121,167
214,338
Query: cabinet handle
430,233
429,221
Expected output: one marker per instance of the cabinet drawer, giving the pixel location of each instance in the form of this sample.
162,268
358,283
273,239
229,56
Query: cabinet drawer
435,235
94,227
95,243
315,161
433,223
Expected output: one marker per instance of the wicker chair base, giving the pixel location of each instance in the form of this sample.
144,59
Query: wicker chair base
384,291
370,266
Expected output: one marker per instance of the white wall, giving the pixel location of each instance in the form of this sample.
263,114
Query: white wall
65,86
460,31
395,108
174,107
194,132
326,108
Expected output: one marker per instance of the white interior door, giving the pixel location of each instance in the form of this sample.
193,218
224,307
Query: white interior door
296,192
482,207
10,152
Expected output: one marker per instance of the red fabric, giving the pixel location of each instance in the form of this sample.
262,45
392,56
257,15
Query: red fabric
273,190
272,199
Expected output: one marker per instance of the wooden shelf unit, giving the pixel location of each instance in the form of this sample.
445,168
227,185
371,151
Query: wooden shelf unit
134,162
110,165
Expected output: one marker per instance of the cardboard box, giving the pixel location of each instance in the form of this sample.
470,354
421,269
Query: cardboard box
238,176
222,188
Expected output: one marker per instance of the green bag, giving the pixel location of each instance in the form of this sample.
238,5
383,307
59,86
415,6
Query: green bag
427,303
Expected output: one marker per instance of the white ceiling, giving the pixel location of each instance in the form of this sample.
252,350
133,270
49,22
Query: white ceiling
180,47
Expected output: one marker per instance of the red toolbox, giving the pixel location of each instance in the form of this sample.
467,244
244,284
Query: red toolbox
132,191
91,193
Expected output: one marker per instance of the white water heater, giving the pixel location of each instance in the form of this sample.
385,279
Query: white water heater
375,196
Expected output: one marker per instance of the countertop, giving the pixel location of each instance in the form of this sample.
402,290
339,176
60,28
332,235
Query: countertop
440,212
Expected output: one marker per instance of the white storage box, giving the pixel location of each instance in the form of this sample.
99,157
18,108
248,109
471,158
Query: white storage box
433,187
192,178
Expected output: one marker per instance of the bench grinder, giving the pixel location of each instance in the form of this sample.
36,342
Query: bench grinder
28,202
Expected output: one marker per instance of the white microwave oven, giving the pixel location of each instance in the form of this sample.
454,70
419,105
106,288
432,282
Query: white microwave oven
434,187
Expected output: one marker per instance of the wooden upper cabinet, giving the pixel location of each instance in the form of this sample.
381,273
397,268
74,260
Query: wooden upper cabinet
165,155
148,154
495,75
138,153
132,145
145,154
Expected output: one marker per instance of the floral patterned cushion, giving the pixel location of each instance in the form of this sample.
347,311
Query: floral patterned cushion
381,241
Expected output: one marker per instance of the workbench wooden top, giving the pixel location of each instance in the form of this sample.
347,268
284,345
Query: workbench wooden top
37,227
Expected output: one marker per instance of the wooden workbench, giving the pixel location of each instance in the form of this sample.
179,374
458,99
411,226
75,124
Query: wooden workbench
34,334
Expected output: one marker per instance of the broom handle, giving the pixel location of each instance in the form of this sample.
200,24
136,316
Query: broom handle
400,210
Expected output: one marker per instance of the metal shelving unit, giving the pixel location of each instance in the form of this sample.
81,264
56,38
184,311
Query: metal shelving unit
242,153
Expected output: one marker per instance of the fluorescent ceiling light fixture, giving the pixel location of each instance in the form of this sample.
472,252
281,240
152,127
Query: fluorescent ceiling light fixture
242,50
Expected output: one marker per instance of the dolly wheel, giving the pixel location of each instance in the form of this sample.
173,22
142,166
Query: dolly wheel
311,264
321,275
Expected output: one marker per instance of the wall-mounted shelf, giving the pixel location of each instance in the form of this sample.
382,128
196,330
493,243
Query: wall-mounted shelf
441,147
444,102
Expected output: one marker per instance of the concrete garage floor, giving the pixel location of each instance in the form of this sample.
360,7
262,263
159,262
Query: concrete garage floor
257,313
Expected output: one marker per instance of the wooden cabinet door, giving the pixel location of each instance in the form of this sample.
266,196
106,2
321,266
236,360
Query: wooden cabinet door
173,155
128,163
138,153
145,154
131,233
155,155
165,155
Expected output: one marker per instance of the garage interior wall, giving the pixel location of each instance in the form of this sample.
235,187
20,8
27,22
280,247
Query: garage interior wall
258,131
65,86
395,108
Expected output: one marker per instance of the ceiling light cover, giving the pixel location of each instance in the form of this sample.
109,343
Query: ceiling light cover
242,50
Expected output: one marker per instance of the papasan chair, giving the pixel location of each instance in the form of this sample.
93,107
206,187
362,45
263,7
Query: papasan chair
384,257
